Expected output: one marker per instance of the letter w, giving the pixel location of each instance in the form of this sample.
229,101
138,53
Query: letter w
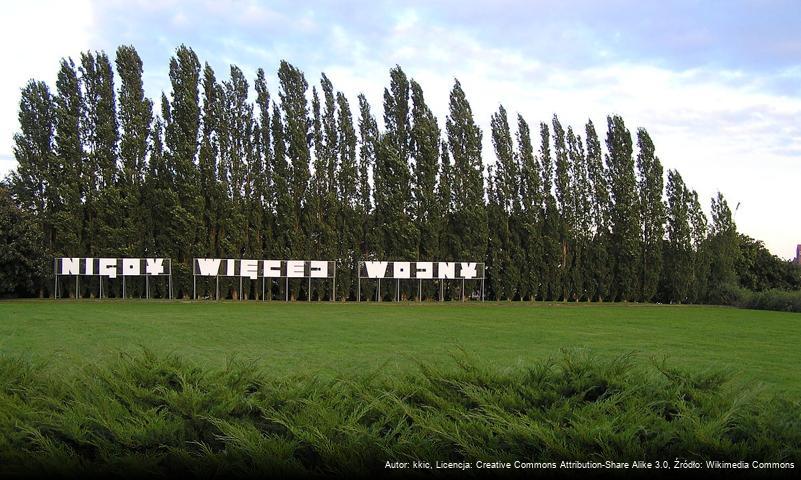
376,269
209,267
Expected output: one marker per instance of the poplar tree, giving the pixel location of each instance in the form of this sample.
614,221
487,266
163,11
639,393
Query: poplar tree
347,192
581,227
34,184
723,249
504,203
369,241
265,184
234,151
181,128
701,261
68,212
550,286
464,141
104,212
624,213
161,200
678,270
449,242
532,213
496,283
393,197
208,167
599,262
285,218
425,143
652,215
135,120
323,206
292,91
565,205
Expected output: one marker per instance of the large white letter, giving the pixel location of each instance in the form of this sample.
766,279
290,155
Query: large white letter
272,268
131,266
249,268
70,266
209,267
154,266
424,270
468,270
376,269
90,266
230,268
446,270
294,268
108,267
318,269
400,269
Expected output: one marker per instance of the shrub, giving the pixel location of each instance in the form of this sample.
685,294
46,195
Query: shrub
160,415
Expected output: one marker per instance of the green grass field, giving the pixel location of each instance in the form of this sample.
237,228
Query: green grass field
756,347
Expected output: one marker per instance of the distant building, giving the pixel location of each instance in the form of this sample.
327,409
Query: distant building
798,254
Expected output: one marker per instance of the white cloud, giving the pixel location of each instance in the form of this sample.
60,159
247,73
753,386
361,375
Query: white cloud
35,36
724,129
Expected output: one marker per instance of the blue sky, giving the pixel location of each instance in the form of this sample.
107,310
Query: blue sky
717,84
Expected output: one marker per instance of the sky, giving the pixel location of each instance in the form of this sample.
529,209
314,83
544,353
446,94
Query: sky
717,84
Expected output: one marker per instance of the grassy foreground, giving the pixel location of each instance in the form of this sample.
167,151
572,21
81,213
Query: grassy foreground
151,415
754,347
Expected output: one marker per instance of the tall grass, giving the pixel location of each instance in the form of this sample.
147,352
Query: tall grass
773,299
153,415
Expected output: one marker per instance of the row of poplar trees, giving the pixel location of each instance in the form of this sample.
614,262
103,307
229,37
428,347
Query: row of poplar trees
306,175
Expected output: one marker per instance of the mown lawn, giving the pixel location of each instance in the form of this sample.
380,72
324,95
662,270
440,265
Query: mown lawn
755,347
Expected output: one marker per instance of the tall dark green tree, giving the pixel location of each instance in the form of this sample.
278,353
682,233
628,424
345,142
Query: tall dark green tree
425,143
678,270
211,187
181,116
104,209
624,213
581,218
550,286
464,141
392,175
265,185
135,120
35,183
323,205
723,249
532,214
297,135
699,289
348,225
565,205
504,208
599,261
652,215
67,214
286,221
